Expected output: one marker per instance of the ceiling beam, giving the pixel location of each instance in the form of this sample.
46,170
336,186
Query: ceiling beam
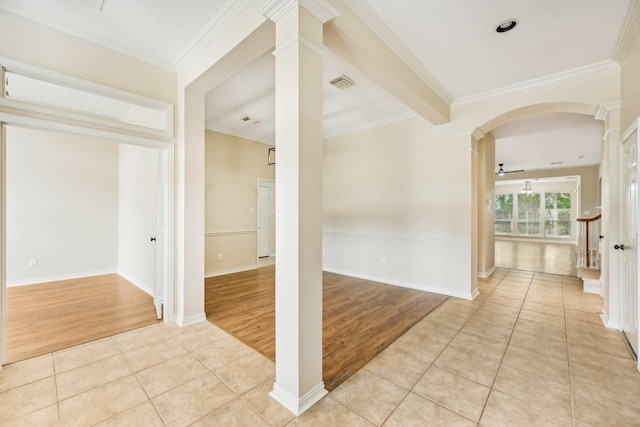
349,37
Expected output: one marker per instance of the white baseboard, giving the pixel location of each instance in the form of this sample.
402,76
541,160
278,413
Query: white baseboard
230,270
183,321
426,288
298,405
591,286
147,289
486,274
609,323
57,278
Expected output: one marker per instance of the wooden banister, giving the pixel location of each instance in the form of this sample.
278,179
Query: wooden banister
588,221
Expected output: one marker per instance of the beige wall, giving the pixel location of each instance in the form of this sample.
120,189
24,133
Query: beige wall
486,205
630,84
35,44
394,206
232,168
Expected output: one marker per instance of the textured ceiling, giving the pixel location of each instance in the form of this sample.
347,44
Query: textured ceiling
457,42
451,44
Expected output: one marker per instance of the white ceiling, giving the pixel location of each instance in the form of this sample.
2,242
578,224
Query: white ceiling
451,44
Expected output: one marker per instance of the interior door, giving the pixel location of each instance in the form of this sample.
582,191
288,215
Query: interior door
3,234
264,221
629,240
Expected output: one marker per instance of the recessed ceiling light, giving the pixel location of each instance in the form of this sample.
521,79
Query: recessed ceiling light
507,25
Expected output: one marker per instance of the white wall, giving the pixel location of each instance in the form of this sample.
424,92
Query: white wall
62,206
137,215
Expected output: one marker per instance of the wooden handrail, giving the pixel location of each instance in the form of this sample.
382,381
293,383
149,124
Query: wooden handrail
595,218
588,220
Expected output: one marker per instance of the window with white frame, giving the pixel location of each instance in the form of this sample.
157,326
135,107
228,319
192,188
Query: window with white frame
546,213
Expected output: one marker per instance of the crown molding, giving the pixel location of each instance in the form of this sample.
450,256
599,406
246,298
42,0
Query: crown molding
388,37
321,9
604,109
592,68
629,27
216,25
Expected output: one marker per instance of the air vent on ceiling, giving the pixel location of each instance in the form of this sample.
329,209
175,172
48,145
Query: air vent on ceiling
342,82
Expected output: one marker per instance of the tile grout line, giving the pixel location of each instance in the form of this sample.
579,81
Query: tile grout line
484,407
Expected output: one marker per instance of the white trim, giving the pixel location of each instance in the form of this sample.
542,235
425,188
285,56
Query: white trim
3,244
183,321
394,237
58,277
43,124
295,41
88,87
486,274
388,37
298,405
320,9
228,233
475,293
426,288
603,110
230,270
598,66
136,282
591,286
216,25
629,26
375,123
609,323
632,128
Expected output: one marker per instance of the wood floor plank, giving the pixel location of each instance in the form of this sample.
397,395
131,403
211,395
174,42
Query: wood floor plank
360,317
49,317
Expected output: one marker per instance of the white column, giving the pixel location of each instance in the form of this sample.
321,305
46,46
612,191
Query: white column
468,143
610,227
189,215
299,51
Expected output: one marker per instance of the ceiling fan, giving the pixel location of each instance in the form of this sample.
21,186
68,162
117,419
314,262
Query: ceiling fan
502,172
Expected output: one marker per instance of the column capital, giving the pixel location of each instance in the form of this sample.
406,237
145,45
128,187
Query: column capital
604,109
321,9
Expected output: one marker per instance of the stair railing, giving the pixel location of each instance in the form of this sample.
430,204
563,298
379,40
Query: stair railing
588,242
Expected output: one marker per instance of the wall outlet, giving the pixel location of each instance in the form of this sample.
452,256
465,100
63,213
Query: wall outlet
383,262
33,263
219,257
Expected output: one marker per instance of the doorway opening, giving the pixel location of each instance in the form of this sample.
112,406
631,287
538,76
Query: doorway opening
84,216
266,220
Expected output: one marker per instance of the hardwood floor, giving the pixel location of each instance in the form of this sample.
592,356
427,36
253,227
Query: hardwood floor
48,317
360,317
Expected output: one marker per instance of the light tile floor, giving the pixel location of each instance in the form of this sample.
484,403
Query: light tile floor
530,350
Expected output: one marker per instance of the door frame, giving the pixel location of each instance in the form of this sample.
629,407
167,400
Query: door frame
164,280
621,203
264,182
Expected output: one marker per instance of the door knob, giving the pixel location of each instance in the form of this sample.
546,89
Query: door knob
153,239
620,246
